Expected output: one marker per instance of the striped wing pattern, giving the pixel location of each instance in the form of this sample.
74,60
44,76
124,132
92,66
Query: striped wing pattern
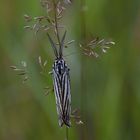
61,82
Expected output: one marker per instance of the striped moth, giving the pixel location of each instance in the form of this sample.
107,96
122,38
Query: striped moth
61,84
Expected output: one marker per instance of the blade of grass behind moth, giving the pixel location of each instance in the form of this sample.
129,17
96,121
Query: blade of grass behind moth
62,45
53,45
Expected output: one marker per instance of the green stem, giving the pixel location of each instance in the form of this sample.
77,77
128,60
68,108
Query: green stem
67,133
83,69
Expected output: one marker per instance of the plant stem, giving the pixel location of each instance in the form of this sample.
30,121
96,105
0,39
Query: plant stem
56,23
83,69
67,133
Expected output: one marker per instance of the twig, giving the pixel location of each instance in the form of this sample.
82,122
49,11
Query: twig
56,22
67,133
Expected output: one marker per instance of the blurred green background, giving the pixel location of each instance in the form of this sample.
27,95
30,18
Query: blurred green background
106,90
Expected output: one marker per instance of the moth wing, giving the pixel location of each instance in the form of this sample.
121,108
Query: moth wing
66,98
58,97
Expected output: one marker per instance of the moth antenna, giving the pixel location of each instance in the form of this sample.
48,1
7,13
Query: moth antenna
53,45
62,44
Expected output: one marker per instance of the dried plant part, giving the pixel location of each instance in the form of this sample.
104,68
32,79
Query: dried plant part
54,9
27,18
96,47
22,71
24,64
76,117
47,5
88,51
48,90
40,23
43,65
69,43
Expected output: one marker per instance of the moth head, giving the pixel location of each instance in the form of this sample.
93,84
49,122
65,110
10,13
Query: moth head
59,66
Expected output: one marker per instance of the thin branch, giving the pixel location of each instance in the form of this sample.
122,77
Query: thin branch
67,133
56,22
